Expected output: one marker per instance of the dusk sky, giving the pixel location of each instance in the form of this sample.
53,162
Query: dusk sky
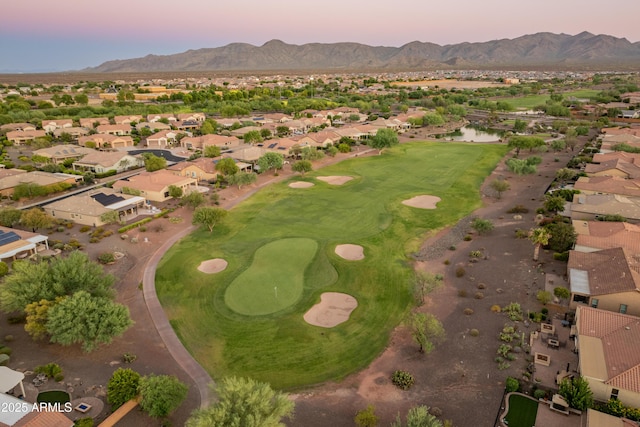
41,35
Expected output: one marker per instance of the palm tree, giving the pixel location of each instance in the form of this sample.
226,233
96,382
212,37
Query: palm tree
539,237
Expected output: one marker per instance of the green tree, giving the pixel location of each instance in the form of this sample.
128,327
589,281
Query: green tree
482,226
521,142
175,191
519,126
366,417
37,317
87,320
227,166
211,151
122,387
558,145
31,282
432,119
265,133
577,393
426,330
539,237
208,127
384,138
160,395
554,204
311,153
111,217
244,402
565,174
561,292
418,416
81,99
252,136
241,178
270,161
302,167
520,167
500,186
9,216
544,297
563,236
153,163
208,216
282,131
35,218
193,199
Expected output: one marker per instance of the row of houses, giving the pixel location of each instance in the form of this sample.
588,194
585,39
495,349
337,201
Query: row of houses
604,277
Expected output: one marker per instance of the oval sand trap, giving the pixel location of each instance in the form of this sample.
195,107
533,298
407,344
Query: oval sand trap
422,202
211,266
334,308
350,252
335,180
301,184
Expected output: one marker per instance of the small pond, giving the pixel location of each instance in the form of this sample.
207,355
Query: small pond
473,134
54,396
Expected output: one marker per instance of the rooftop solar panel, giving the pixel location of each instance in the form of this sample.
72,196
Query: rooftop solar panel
8,237
273,145
107,199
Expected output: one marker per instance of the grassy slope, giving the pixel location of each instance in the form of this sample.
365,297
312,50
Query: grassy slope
281,348
522,411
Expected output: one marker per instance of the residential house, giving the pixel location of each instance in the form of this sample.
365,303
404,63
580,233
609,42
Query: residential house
200,142
610,141
127,120
51,125
192,117
74,131
608,279
248,155
616,166
105,140
227,123
119,130
21,137
593,236
153,126
202,169
244,130
600,419
324,138
43,179
89,208
154,186
608,185
632,130
162,139
59,153
159,116
16,243
608,345
281,145
104,161
17,126
92,122
187,125
590,207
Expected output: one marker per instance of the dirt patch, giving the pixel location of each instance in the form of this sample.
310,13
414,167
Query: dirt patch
350,252
301,184
334,308
335,180
422,202
212,266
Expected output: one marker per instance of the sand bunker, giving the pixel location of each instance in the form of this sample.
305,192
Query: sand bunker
211,266
334,308
350,252
422,202
335,180
301,184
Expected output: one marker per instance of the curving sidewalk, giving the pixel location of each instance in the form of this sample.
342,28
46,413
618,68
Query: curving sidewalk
197,373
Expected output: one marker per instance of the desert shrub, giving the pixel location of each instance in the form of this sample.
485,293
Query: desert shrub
544,297
107,233
514,311
474,332
517,209
143,229
129,357
6,350
478,295
8,338
175,220
475,254
402,379
447,262
522,234
468,311
512,384
561,256
504,365
468,238
122,387
106,258
94,240
460,271
504,349
462,293
4,269
544,311
84,422
482,286
75,244
496,308
51,370
452,247
17,318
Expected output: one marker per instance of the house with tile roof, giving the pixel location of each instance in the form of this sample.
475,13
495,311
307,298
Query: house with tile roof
21,137
74,131
105,140
16,243
590,207
200,142
89,208
104,161
92,122
51,125
608,345
127,120
119,129
154,186
593,236
9,183
608,279
17,126
202,169
163,139
60,153
608,185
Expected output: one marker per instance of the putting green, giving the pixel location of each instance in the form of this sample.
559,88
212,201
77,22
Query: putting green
262,289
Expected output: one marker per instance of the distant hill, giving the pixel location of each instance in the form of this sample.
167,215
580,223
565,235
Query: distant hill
537,51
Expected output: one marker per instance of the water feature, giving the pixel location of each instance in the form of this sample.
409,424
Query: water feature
473,134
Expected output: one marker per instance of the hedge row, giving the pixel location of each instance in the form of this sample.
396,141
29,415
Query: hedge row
134,225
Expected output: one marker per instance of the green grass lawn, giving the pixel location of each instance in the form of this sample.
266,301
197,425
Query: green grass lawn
522,411
271,342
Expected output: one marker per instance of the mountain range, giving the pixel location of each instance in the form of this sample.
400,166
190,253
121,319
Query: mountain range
537,51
